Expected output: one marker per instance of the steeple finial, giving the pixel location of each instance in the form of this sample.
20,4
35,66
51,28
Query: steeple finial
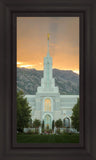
48,47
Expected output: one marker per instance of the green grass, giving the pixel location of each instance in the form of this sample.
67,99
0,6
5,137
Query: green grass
30,138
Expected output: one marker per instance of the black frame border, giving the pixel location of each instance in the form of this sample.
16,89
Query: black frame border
87,12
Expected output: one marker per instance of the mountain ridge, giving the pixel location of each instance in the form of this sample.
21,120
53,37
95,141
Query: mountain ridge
29,79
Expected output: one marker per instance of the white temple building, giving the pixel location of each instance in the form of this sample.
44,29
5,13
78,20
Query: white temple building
48,105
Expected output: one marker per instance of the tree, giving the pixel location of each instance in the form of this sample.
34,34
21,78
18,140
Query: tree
23,112
53,124
58,123
36,123
43,124
75,116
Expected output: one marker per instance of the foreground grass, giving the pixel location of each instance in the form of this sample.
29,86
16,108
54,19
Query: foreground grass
30,138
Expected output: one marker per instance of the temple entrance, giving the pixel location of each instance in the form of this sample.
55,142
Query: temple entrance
47,122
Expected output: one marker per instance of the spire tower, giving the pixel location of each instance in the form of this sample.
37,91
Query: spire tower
47,82
48,46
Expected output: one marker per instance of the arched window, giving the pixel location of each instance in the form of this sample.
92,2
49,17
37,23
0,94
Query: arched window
47,105
66,122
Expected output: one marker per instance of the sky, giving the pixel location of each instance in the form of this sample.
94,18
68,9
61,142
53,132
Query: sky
63,42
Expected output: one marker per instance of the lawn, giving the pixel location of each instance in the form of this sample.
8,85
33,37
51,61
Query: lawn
33,138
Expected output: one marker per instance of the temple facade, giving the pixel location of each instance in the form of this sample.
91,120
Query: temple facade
48,105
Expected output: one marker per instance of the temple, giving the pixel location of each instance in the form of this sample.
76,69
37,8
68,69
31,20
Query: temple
48,105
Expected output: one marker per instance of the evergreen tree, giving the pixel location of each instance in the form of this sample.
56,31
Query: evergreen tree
43,124
53,124
75,116
23,112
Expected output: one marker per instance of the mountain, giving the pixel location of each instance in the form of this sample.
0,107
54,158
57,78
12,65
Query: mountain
29,79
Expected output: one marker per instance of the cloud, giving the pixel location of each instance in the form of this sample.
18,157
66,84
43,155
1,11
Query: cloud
75,71
63,41
26,66
19,62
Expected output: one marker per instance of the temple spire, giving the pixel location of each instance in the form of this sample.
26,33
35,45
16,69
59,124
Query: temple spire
48,47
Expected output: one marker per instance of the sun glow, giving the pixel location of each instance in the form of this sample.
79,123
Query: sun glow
76,71
40,67
19,63
32,42
22,65
27,66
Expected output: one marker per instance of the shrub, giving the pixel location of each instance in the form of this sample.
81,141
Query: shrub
58,123
58,131
42,130
36,131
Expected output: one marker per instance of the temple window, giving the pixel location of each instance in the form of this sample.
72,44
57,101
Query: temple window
47,105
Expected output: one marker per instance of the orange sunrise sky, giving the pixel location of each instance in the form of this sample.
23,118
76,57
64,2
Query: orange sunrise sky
63,42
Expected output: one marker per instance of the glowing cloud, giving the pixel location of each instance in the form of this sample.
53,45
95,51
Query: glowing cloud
19,62
32,42
75,71
26,66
